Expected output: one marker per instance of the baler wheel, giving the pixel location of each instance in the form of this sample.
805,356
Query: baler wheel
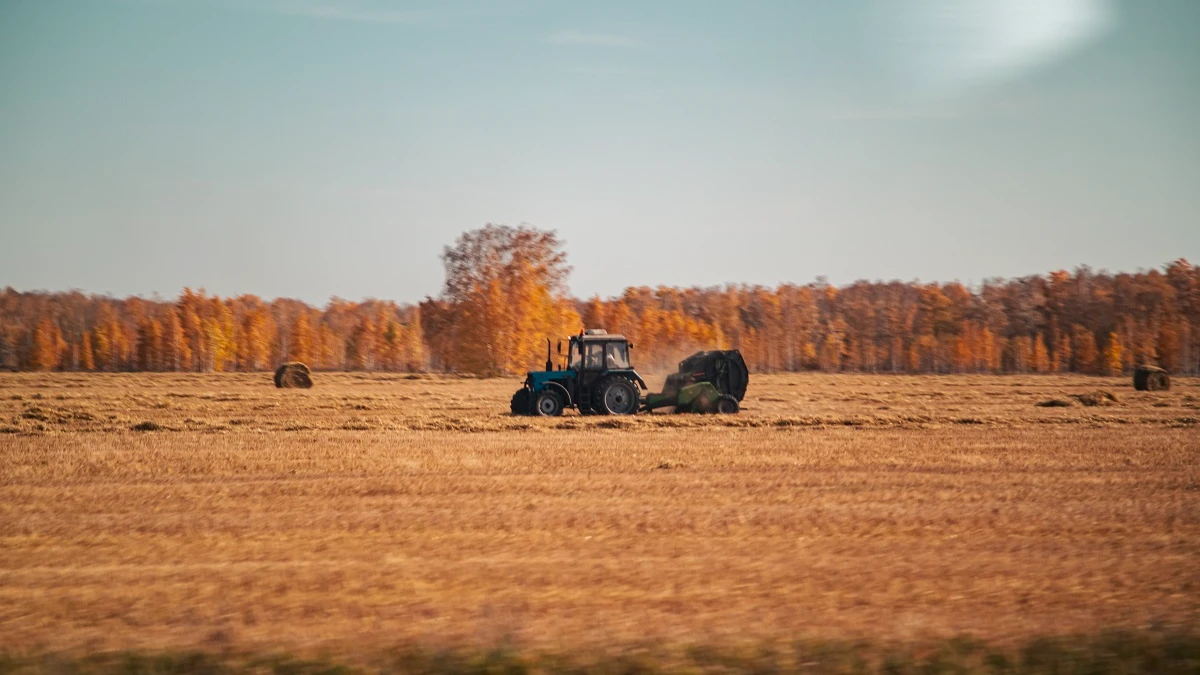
727,405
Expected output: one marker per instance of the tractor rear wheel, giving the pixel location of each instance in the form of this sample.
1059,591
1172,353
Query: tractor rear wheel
548,404
727,405
520,403
617,396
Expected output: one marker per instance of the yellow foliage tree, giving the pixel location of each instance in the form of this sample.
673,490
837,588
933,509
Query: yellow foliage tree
150,345
1062,354
505,292
300,339
1083,346
1041,355
48,346
1111,361
253,346
87,361
594,315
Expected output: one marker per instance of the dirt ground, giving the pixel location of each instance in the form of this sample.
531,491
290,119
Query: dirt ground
184,510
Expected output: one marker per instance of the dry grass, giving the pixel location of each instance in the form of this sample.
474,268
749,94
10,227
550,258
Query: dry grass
375,510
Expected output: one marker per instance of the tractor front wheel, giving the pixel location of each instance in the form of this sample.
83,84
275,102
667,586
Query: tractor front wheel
548,404
520,403
618,396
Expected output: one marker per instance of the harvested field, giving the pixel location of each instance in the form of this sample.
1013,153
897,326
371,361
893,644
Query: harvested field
172,511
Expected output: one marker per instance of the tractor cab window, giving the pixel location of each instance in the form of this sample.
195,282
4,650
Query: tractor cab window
574,358
617,355
594,356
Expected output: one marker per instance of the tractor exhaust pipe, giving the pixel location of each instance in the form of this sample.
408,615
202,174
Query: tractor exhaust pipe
549,361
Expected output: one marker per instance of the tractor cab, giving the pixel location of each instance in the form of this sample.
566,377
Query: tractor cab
597,351
597,378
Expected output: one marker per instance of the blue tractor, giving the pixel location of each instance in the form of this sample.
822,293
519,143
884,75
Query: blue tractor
597,379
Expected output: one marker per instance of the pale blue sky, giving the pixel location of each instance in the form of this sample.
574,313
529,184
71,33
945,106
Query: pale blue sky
309,149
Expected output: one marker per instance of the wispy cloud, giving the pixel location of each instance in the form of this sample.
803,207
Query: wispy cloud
869,114
339,10
579,38
597,69
956,43
363,11
1019,105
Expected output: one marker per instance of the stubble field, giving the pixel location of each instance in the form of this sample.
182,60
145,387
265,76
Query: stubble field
177,511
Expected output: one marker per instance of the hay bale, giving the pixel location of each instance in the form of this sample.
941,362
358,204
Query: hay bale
1054,403
1151,378
1096,398
293,375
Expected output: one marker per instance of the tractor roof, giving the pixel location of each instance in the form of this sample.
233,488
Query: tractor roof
603,337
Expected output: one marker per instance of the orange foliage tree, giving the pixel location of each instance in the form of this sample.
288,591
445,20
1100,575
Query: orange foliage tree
505,292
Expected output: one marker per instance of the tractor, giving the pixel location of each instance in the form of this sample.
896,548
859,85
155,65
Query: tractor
598,379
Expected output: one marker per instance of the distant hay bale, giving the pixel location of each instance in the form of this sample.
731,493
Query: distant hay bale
1151,378
1096,398
1054,403
293,375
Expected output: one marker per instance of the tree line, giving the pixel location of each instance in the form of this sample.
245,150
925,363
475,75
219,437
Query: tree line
505,293
199,332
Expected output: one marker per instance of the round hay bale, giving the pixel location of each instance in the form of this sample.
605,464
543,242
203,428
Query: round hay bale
293,375
1151,378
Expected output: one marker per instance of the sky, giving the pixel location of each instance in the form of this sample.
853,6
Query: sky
290,148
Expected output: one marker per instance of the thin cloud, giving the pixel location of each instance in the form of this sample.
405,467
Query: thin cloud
950,44
868,114
578,38
343,11
330,10
338,10
345,14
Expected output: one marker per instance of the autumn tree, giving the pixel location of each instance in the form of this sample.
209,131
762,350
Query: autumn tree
594,314
505,292
191,316
87,361
363,346
300,339
150,345
1041,355
177,354
1111,361
1062,354
253,340
220,333
48,346
1083,347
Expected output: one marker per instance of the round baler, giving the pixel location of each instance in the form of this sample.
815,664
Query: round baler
707,382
